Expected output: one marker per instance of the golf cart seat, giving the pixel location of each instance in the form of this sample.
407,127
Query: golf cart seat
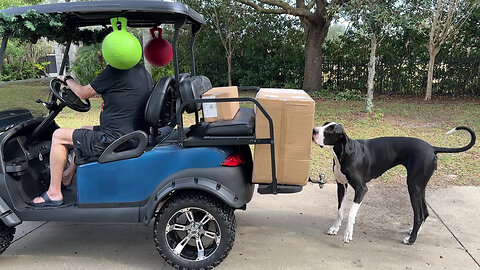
243,124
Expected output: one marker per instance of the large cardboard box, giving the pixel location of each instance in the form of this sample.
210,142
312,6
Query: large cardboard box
292,112
220,110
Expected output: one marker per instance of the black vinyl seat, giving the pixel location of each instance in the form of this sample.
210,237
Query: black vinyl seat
243,124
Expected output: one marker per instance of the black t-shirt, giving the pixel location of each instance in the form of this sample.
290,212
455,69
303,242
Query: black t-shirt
125,94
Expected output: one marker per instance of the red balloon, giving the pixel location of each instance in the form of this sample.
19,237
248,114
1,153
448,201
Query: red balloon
158,51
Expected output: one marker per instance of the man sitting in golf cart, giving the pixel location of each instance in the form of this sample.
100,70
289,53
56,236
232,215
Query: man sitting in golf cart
125,87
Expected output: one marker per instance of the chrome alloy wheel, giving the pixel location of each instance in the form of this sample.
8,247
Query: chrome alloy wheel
193,234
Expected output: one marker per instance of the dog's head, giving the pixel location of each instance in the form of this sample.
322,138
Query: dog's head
328,134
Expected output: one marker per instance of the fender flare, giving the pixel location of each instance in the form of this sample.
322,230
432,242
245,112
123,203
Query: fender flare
212,187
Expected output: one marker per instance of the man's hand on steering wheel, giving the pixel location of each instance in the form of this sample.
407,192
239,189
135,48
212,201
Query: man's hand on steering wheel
65,95
64,78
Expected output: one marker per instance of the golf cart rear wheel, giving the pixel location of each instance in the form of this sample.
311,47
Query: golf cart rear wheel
6,236
194,231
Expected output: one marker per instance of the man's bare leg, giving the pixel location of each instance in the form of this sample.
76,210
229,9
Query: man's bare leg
68,174
62,138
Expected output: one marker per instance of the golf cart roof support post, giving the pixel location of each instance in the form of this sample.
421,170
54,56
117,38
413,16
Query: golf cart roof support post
195,29
3,49
178,25
65,57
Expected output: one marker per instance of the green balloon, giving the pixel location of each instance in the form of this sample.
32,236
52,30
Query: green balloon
121,49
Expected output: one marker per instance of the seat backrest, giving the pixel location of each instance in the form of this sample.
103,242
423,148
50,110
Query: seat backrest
157,105
156,101
192,88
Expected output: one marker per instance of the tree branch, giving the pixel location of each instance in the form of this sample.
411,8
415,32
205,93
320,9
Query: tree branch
283,8
310,5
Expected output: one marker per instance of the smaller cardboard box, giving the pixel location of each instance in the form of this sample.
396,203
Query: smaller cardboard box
220,110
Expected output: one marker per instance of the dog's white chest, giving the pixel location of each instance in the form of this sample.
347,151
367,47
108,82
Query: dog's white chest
337,172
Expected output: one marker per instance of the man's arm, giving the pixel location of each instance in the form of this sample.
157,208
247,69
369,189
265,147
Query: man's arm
82,91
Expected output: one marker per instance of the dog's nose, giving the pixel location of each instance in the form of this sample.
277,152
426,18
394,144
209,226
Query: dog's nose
315,132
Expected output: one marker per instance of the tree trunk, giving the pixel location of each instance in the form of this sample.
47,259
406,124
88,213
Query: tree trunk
229,69
433,54
3,49
316,33
371,73
146,37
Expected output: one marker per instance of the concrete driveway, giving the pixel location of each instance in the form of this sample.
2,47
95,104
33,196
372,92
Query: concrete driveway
280,232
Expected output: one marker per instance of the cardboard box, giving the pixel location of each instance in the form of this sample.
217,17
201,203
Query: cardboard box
292,112
221,110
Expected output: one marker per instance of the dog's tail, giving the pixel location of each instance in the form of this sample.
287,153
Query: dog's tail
461,149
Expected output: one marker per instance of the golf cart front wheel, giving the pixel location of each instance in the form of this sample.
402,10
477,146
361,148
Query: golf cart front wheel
6,236
194,231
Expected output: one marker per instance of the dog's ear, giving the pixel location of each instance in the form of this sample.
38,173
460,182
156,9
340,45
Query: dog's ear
338,129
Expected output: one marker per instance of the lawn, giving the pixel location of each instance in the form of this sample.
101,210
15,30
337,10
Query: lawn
397,116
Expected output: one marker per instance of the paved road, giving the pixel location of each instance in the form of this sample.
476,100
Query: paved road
280,232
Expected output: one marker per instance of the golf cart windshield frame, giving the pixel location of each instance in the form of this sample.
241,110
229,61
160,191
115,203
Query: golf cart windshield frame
142,13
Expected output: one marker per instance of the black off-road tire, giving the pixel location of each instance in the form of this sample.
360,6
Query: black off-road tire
6,236
223,214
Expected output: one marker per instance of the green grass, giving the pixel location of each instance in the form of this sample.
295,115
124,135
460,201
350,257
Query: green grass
410,117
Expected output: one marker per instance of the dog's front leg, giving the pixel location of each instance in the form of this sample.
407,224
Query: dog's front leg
357,200
341,192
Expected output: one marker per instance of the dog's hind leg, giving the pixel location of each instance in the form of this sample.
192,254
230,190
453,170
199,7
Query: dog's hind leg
417,179
416,201
360,191
341,192
425,214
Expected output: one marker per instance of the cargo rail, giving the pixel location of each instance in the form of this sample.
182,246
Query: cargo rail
273,187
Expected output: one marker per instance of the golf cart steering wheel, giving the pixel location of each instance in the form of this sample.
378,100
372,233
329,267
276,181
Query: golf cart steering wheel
68,97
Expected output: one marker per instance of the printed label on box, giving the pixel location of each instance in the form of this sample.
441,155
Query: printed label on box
210,109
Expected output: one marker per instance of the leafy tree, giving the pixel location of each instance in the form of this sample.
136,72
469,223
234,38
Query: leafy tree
17,3
88,64
315,17
227,19
373,19
448,16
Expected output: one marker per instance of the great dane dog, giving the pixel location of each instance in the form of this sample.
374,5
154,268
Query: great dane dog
356,162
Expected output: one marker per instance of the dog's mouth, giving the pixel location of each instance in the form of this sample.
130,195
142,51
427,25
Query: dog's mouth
314,139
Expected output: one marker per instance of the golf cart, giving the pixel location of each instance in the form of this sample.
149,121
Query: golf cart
189,180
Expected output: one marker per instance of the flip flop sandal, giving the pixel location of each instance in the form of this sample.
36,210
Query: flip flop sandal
47,202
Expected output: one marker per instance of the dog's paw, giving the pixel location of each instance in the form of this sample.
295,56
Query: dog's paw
406,240
333,230
348,236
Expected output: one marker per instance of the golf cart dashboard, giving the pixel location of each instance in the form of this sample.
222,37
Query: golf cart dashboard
18,154
18,149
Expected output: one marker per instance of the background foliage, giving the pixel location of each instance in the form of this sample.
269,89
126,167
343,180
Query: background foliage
270,53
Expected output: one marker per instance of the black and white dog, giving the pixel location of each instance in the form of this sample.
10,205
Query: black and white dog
356,162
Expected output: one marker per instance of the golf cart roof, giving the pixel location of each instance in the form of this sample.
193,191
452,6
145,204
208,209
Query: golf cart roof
142,13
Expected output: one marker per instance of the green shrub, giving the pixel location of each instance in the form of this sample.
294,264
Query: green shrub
159,72
23,60
349,95
88,64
